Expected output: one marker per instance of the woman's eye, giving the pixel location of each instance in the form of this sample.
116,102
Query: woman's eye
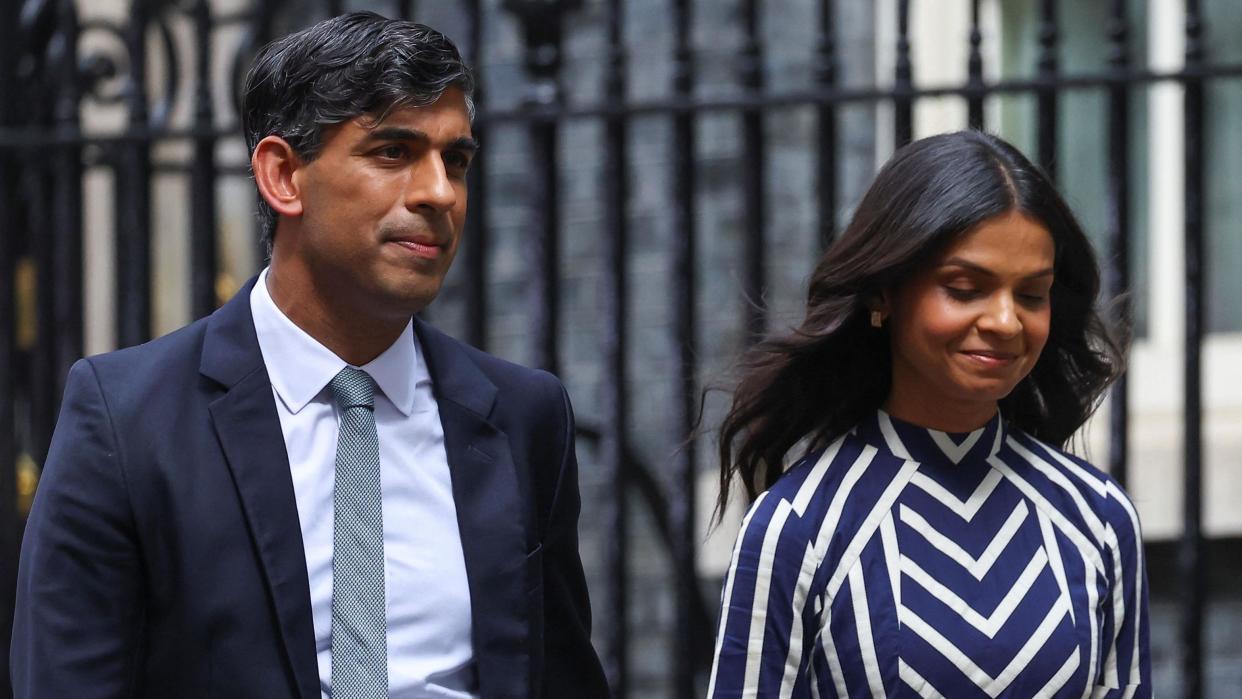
961,293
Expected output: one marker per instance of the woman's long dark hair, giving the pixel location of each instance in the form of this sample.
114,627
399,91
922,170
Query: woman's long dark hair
817,382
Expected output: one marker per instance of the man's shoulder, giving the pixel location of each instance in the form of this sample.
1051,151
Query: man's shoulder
183,345
160,372
507,376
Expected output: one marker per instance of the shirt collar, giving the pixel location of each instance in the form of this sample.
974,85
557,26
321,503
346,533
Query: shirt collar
397,371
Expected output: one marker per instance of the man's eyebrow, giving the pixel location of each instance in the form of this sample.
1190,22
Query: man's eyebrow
464,143
967,264
400,133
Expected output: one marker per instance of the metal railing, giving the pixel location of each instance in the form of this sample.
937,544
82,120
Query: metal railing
44,153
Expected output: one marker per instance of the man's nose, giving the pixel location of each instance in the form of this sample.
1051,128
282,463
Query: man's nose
430,185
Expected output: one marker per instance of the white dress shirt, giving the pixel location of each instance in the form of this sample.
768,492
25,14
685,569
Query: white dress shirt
428,600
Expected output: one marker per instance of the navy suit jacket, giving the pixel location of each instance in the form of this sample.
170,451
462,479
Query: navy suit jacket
163,555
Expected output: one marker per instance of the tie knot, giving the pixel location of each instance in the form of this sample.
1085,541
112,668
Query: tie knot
353,388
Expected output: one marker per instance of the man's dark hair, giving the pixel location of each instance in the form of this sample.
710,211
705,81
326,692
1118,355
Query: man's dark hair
337,70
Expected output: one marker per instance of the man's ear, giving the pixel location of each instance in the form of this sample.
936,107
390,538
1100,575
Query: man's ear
274,162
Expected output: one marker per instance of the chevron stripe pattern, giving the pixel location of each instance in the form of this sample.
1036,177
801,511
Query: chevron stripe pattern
906,562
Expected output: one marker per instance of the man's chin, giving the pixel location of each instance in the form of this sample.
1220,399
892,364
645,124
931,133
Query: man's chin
407,301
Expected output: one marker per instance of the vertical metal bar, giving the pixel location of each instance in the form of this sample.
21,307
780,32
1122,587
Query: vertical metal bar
262,19
203,262
10,520
903,104
476,221
41,356
615,396
541,23
66,269
409,9
1192,559
685,321
974,71
39,351
10,523
547,264
133,197
754,168
1117,216
1047,93
826,158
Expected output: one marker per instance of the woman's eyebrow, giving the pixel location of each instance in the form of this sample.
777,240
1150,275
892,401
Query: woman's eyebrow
980,269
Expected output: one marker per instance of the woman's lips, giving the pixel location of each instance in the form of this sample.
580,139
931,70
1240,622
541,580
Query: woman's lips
989,359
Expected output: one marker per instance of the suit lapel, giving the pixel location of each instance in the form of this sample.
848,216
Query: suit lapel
249,431
489,514
484,481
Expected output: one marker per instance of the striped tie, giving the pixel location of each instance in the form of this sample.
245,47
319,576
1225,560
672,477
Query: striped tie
359,635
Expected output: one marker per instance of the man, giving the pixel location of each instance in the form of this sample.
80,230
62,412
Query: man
311,492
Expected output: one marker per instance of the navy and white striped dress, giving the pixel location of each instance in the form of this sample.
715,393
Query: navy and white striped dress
902,562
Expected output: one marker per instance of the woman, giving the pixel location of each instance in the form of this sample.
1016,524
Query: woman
935,540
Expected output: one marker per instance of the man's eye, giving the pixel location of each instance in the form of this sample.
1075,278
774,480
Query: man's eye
391,152
456,160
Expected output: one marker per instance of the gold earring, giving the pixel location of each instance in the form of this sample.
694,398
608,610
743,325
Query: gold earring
877,319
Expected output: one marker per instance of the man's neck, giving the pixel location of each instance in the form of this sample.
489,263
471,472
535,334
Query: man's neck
355,337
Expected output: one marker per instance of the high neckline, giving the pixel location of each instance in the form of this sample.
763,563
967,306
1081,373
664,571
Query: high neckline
913,442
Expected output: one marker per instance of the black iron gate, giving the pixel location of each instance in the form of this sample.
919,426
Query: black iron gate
45,150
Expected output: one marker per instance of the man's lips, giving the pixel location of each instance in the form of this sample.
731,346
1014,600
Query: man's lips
419,247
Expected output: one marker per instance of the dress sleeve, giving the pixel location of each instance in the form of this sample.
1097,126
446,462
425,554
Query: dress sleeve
762,645
1126,668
